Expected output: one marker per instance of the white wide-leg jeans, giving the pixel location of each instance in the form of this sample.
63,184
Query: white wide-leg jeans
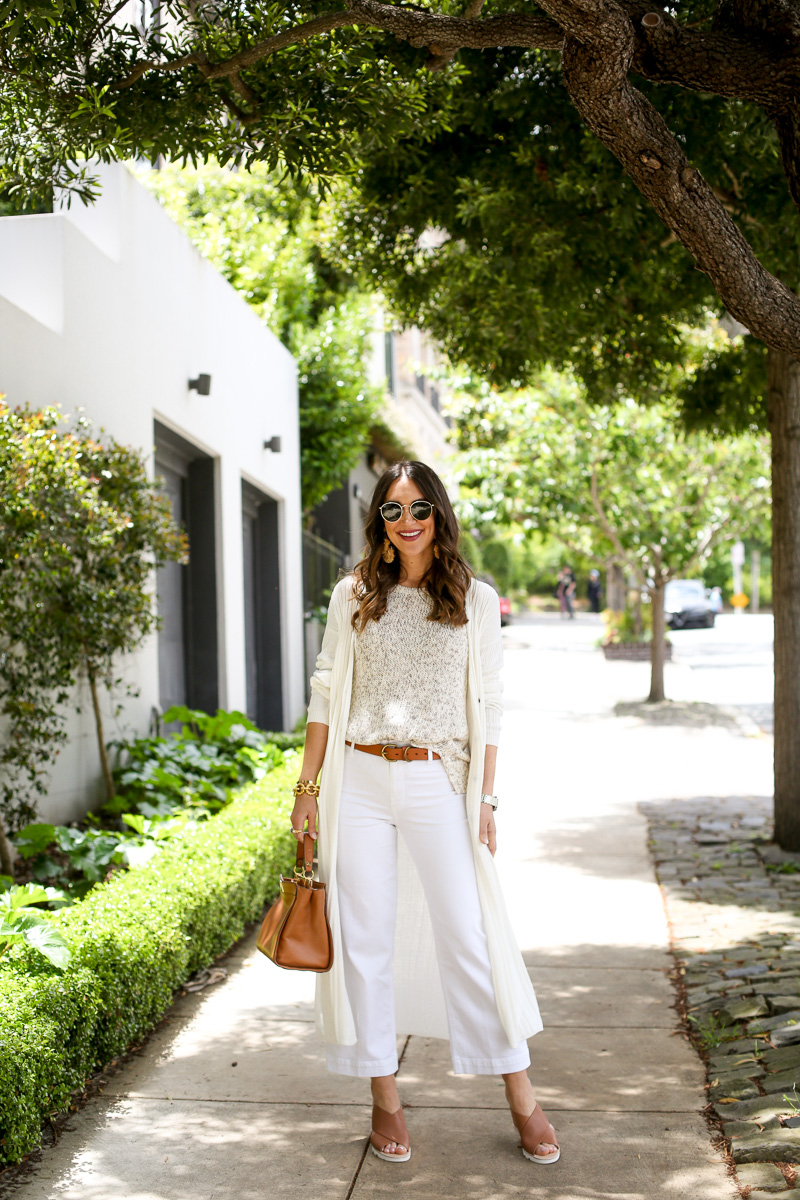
416,799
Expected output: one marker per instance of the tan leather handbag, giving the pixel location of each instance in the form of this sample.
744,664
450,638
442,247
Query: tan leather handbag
295,933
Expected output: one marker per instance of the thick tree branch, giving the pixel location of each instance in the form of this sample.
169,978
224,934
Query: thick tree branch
625,121
723,61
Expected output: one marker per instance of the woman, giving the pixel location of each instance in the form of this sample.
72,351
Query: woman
403,724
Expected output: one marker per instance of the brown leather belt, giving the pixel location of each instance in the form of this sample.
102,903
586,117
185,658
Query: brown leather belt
394,753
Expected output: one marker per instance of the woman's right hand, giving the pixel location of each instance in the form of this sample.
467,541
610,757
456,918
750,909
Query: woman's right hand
305,809
305,806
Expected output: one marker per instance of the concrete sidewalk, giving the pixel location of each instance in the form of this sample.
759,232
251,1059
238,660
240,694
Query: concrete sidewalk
231,1100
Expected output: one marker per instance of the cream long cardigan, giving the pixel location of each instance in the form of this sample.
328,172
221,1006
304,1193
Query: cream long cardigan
418,995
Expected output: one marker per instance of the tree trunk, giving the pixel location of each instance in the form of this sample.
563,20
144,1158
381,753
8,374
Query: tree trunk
615,588
6,858
783,391
657,644
638,620
108,778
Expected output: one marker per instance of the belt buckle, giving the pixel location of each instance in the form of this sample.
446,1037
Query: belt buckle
394,746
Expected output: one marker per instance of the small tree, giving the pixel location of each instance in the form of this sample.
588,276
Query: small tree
615,483
81,530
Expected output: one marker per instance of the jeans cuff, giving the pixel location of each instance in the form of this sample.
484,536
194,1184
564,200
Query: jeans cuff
362,1068
520,1060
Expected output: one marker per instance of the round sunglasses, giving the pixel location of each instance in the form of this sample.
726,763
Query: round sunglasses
420,510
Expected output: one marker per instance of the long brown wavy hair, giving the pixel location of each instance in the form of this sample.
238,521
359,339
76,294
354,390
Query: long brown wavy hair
449,575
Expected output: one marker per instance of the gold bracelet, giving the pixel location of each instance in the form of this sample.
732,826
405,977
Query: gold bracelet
306,787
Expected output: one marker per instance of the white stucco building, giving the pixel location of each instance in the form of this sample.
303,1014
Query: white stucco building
111,309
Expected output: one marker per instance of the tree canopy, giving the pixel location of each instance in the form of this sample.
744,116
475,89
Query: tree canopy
315,88
542,252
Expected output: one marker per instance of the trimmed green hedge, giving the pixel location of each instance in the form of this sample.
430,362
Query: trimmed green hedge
134,941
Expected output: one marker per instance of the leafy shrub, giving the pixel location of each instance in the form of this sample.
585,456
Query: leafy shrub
286,741
133,941
194,767
72,859
168,781
628,626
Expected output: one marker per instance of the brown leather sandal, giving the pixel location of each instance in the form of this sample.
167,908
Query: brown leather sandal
534,1131
389,1127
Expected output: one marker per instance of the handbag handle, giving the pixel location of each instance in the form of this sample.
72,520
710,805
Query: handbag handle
304,863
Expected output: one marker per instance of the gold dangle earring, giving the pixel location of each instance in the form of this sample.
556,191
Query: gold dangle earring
387,553
436,550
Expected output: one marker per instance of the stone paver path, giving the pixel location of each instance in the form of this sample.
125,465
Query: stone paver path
733,898
231,1099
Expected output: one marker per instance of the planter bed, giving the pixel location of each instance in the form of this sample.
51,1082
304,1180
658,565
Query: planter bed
134,941
634,651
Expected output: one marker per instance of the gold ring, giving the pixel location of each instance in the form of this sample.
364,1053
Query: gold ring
296,830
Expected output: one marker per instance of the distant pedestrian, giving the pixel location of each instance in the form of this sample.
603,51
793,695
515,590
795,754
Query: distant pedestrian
715,600
595,591
566,592
403,723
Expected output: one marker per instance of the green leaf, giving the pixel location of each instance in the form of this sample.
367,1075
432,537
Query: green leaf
20,896
34,839
49,941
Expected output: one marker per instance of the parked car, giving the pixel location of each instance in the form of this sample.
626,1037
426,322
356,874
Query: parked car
686,602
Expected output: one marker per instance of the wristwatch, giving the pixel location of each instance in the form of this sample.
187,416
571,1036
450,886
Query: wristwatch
493,800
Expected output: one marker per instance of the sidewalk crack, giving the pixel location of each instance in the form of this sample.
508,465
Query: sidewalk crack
357,1172
402,1054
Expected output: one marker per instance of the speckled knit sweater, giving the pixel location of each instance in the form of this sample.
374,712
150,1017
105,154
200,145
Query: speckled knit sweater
410,683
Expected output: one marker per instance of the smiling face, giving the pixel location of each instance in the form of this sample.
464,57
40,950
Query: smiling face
412,539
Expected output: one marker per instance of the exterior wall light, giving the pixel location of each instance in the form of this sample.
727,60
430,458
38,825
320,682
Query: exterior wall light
274,444
201,385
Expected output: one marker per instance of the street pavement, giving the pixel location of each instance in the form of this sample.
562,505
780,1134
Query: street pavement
230,1099
730,664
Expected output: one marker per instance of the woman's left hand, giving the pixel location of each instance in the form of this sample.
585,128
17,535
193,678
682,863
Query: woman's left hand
488,828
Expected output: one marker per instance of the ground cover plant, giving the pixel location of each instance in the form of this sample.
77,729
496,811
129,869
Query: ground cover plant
162,784
194,767
132,941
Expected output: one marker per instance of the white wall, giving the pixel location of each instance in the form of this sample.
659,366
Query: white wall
111,308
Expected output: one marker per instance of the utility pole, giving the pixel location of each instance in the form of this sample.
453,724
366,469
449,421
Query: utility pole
755,567
738,599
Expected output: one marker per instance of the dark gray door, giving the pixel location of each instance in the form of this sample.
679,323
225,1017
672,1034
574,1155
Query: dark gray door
262,608
188,670
249,537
